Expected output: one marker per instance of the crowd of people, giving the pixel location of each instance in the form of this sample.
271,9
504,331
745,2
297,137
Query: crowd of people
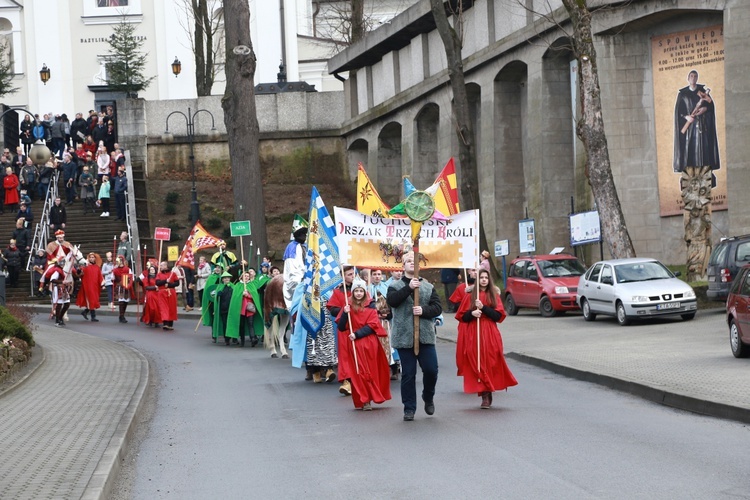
88,159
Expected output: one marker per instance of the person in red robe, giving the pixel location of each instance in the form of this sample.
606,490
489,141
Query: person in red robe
463,288
10,184
334,305
92,282
167,281
122,279
365,360
153,304
479,315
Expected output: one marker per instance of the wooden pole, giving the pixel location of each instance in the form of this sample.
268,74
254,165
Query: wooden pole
479,357
351,330
415,248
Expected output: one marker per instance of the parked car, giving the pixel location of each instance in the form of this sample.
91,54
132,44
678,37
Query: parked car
738,314
726,260
634,289
544,282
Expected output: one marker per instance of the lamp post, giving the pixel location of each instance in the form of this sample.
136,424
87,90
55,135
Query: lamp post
168,138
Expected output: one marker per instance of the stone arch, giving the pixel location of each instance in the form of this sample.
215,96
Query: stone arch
357,153
510,137
557,162
389,163
426,161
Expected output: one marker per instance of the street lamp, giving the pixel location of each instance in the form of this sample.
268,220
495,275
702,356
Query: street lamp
44,74
168,138
176,67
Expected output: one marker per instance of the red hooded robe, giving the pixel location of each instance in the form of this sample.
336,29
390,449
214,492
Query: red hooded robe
493,373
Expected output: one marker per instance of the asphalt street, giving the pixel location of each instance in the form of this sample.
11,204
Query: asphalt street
234,423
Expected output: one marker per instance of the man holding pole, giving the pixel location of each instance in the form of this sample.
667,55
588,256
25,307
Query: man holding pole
401,300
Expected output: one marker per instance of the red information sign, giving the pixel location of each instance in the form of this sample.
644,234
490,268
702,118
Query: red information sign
162,234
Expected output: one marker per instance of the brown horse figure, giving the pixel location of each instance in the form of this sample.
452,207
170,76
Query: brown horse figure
276,315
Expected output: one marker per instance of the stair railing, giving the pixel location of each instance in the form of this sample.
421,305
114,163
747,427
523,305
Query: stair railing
41,230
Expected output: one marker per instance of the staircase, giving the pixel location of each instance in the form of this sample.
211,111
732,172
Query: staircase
90,232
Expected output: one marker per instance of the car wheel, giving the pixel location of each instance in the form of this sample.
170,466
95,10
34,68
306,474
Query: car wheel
622,318
586,308
545,307
510,305
688,316
739,349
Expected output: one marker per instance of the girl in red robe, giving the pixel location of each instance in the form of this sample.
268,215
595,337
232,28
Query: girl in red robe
369,371
152,304
479,315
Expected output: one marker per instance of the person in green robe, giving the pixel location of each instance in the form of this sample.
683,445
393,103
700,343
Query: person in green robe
222,297
207,304
245,318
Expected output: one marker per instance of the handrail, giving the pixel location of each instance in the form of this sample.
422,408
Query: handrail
41,231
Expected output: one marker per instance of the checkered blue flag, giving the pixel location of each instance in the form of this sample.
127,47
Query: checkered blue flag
323,271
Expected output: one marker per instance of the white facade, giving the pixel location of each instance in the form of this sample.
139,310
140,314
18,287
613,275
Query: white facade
69,36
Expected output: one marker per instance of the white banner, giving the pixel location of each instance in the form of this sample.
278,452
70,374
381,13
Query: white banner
368,241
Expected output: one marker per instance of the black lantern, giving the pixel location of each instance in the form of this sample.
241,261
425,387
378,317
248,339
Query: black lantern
176,67
44,74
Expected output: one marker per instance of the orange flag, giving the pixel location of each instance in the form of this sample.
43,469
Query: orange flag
368,199
446,198
198,240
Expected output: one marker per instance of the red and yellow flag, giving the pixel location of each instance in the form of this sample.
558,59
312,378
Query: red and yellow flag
198,240
446,198
368,199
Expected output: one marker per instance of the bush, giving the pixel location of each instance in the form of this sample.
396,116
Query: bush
170,209
172,197
213,223
15,321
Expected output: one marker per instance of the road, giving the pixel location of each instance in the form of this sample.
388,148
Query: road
233,423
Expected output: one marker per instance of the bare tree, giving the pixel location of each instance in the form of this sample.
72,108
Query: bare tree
241,120
452,37
203,23
345,22
590,129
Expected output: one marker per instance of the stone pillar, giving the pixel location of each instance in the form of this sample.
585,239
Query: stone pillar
737,108
132,130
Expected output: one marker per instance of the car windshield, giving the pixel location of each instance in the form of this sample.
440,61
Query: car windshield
642,271
561,268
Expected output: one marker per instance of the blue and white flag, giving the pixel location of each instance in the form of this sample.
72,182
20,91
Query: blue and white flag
323,271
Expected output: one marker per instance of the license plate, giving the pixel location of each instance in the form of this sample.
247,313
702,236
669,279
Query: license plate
668,305
711,278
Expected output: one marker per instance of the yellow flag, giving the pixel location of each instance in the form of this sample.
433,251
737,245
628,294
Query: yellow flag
368,200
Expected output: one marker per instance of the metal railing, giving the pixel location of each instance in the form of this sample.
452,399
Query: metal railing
41,231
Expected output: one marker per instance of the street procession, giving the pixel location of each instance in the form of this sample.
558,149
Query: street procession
348,305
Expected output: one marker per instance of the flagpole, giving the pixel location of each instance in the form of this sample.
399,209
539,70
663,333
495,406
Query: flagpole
415,249
351,330
479,358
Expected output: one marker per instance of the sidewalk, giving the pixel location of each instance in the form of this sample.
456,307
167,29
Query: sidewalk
682,364
67,424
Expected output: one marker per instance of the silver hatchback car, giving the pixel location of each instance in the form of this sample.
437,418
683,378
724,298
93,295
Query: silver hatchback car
634,289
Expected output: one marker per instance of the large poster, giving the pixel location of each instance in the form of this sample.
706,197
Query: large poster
688,69
370,241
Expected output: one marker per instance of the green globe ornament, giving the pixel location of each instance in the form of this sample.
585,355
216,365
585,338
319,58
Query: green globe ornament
419,206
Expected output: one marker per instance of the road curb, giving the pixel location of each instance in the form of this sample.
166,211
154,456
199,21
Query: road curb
106,471
673,400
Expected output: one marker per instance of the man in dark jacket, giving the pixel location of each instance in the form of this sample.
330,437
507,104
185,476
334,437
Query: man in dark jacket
12,256
78,130
69,170
121,189
22,235
58,217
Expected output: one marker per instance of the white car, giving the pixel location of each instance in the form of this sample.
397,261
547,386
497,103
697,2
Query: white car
634,289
